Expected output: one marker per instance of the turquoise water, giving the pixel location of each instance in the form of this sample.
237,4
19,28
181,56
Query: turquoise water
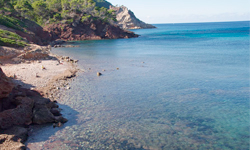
179,86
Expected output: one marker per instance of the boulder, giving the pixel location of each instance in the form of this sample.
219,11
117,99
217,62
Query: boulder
21,115
41,115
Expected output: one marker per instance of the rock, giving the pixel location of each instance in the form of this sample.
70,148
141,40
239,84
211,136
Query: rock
6,85
41,115
58,124
98,73
61,119
8,53
37,52
55,111
56,42
117,68
127,20
21,115
68,87
83,31
13,138
51,105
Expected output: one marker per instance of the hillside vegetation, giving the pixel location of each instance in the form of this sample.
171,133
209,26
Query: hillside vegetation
48,11
15,13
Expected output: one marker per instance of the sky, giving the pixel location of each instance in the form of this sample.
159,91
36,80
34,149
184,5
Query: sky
184,11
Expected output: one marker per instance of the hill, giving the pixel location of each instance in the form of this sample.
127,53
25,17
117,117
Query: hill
40,22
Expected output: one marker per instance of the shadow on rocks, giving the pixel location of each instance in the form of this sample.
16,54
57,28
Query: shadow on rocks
24,109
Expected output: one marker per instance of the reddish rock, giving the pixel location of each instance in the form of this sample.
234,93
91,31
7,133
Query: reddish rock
87,31
6,85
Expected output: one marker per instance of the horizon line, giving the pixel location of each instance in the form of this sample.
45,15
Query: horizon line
201,22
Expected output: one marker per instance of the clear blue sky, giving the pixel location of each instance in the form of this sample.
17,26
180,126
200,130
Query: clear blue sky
178,11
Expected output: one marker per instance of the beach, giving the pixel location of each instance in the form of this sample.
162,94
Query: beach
38,77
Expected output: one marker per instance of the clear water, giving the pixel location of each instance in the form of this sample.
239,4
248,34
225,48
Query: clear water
180,86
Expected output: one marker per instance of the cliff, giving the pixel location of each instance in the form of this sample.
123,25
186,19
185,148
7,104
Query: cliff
95,30
126,19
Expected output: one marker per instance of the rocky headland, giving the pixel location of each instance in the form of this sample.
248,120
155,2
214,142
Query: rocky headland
126,19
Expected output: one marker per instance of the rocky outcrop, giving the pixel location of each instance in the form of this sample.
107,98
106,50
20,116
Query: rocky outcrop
95,30
21,115
127,20
35,52
21,107
6,86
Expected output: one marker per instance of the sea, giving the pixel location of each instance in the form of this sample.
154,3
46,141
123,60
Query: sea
179,86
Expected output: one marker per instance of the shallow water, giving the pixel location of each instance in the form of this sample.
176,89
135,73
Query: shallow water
180,86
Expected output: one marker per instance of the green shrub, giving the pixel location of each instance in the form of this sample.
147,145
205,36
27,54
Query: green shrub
8,38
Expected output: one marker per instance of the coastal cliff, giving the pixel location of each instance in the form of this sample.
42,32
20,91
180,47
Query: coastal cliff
126,19
95,30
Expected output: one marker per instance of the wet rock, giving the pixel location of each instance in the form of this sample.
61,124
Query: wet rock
98,74
58,124
61,119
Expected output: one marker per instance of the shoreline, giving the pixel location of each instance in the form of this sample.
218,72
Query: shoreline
40,72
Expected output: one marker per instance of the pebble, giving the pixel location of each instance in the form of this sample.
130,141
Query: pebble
68,87
98,73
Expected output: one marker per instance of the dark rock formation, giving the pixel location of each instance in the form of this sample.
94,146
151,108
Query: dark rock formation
22,107
21,115
126,19
6,86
